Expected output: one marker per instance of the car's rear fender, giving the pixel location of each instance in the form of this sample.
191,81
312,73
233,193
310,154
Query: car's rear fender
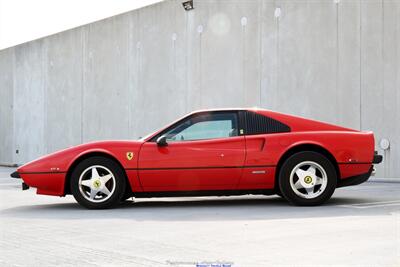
345,147
306,147
350,152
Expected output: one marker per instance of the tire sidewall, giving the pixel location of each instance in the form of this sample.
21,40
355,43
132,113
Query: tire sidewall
120,182
287,167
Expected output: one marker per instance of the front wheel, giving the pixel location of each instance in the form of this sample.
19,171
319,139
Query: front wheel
98,183
307,179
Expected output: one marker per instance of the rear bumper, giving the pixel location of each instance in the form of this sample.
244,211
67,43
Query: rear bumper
355,180
377,158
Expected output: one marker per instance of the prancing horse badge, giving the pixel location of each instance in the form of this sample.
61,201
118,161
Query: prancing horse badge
129,155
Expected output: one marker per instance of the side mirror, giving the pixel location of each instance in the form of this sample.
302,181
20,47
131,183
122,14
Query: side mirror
162,141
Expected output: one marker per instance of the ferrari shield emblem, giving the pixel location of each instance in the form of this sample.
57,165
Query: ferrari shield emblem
96,184
129,155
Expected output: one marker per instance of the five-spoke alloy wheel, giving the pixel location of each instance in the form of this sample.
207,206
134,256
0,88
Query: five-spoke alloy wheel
98,183
307,178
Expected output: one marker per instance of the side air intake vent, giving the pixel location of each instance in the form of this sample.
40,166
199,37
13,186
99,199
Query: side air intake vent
259,124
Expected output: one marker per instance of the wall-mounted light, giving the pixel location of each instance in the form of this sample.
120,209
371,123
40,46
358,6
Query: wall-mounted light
277,12
188,5
384,144
243,21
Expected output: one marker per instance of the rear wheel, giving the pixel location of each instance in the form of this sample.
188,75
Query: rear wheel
98,183
307,179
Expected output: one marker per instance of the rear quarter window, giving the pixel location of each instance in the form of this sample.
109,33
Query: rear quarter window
260,124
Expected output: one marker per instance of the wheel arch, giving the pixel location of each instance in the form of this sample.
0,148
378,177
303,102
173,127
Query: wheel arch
80,158
305,147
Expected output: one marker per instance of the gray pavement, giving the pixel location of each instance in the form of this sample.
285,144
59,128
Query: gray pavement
359,226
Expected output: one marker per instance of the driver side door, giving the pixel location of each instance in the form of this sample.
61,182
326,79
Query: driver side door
204,152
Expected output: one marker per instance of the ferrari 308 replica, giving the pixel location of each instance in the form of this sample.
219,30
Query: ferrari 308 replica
211,153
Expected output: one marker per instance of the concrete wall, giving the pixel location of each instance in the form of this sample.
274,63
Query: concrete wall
6,105
125,76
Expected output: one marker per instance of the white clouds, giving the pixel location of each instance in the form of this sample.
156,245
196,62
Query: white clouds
25,20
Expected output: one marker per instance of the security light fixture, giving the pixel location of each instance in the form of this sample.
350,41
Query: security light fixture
384,144
188,5
277,12
243,21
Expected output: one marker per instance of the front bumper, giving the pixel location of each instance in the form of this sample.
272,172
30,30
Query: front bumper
46,183
17,176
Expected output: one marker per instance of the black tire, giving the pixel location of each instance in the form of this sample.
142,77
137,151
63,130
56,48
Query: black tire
118,183
297,159
127,196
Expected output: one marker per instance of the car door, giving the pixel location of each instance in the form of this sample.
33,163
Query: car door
204,152
264,137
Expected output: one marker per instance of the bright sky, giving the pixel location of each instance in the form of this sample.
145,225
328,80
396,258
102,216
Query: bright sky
25,20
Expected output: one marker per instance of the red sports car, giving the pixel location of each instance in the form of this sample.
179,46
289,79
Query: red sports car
211,152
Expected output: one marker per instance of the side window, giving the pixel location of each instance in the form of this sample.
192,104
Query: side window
205,126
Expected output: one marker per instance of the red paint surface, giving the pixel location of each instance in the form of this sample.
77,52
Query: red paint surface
226,163
191,165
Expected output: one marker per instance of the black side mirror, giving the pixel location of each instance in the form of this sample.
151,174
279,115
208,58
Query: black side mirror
162,141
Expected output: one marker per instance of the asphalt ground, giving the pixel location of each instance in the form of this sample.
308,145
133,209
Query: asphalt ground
359,226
